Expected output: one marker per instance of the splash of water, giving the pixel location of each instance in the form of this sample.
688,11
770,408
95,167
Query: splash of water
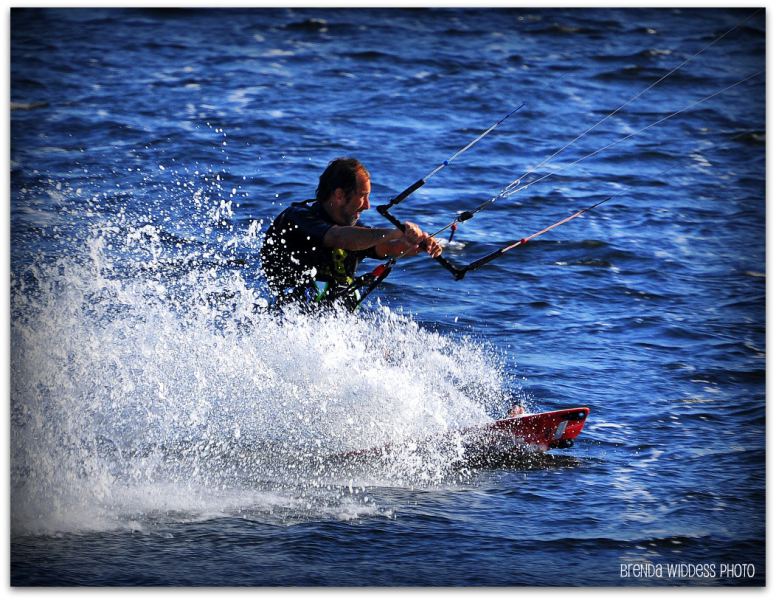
148,379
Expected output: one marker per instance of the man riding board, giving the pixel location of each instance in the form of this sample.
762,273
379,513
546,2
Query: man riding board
313,248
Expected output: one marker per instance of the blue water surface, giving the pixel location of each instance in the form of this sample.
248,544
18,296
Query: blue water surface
167,430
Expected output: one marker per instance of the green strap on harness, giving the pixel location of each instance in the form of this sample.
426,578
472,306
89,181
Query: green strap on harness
322,288
324,292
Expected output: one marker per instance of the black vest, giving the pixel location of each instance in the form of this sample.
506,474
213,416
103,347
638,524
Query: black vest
294,258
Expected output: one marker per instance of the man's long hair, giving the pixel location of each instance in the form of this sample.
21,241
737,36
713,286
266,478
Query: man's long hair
341,173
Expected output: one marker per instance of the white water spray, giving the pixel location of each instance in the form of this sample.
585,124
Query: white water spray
148,381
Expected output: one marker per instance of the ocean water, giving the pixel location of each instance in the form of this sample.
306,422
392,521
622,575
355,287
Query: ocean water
167,429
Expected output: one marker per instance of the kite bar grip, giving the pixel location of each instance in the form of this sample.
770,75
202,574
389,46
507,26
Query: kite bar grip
457,273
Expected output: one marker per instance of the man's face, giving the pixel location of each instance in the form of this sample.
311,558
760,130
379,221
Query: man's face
351,206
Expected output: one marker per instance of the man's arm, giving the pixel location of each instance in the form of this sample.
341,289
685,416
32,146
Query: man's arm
386,241
411,243
396,248
359,238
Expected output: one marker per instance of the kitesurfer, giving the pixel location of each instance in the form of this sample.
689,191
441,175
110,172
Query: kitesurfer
313,248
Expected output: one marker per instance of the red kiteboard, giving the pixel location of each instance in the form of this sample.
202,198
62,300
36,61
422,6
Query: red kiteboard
541,431
519,434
